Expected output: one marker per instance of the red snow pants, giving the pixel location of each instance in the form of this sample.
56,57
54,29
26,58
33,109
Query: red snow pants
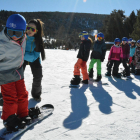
15,97
77,68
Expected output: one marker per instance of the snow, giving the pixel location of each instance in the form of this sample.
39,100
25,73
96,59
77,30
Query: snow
90,112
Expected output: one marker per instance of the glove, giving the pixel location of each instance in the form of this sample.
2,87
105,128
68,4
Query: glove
102,59
84,63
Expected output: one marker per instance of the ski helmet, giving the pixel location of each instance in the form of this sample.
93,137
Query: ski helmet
133,41
16,22
117,40
84,34
100,35
138,41
130,39
124,39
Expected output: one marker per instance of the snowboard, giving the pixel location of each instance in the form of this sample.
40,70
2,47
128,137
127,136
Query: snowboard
46,110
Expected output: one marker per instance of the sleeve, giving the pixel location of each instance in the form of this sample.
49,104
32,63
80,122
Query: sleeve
104,51
86,52
109,57
2,52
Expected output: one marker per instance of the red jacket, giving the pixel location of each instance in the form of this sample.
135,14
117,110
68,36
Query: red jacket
125,51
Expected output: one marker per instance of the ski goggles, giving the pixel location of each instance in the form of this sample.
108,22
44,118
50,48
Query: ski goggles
99,38
16,33
31,29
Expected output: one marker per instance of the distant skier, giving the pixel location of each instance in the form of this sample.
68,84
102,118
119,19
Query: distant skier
82,56
15,96
131,57
137,59
114,58
35,46
125,51
97,56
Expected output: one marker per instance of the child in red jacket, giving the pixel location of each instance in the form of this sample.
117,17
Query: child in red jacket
125,52
114,58
15,96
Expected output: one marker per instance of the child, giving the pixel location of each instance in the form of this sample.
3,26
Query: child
125,51
97,55
114,58
129,41
137,58
82,56
15,96
131,57
35,46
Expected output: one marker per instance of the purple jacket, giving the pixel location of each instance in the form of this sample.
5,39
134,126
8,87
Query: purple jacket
125,51
115,53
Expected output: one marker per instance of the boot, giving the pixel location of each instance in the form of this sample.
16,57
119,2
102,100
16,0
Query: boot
27,119
36,92
108,74
85,81
91,73
99,77
118,75
76,80
13,123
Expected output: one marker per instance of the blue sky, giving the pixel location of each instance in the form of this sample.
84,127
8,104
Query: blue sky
80,6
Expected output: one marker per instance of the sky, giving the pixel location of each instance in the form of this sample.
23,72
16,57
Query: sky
80,6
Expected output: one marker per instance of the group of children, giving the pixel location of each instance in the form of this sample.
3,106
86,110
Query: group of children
20,45
125,52
97,56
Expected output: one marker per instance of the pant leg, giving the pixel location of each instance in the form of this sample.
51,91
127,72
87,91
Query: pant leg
116,67
110,66
10,99
98,67
36,69
77,67
127,70
92,62
22,95
84,72
24,64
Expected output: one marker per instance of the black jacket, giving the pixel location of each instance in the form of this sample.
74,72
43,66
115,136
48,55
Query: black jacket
84,50
99,50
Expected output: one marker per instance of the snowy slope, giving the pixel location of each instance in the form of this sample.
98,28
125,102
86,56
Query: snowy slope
91,112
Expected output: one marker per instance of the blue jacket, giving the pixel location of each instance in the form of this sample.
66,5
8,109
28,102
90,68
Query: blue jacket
30,54
132,51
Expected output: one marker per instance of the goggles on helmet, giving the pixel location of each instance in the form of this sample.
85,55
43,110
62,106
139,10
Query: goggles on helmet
16,33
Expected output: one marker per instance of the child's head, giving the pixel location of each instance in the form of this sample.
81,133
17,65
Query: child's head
15,26
124,40
138,43
100,36
35,28
133,42
129,40
117,41
84,35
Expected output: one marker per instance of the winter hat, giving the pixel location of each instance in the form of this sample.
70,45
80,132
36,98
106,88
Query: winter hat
16,22
84,34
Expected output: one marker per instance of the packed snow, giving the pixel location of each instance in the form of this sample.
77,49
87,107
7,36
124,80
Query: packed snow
98,111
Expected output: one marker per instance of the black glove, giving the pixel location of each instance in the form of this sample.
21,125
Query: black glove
102,59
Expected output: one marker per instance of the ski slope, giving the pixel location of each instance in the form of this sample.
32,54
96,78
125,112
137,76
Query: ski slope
90,112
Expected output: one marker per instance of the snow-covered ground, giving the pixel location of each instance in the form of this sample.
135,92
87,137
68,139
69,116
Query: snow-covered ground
90,112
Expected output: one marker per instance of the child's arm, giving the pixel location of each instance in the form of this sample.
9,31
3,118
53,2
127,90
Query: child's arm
2,52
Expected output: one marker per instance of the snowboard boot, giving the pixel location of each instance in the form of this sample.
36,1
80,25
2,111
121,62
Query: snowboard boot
117,75
36,92
76,80
85,81
99,77
108,74
13,123
27,119
34,112
91,73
